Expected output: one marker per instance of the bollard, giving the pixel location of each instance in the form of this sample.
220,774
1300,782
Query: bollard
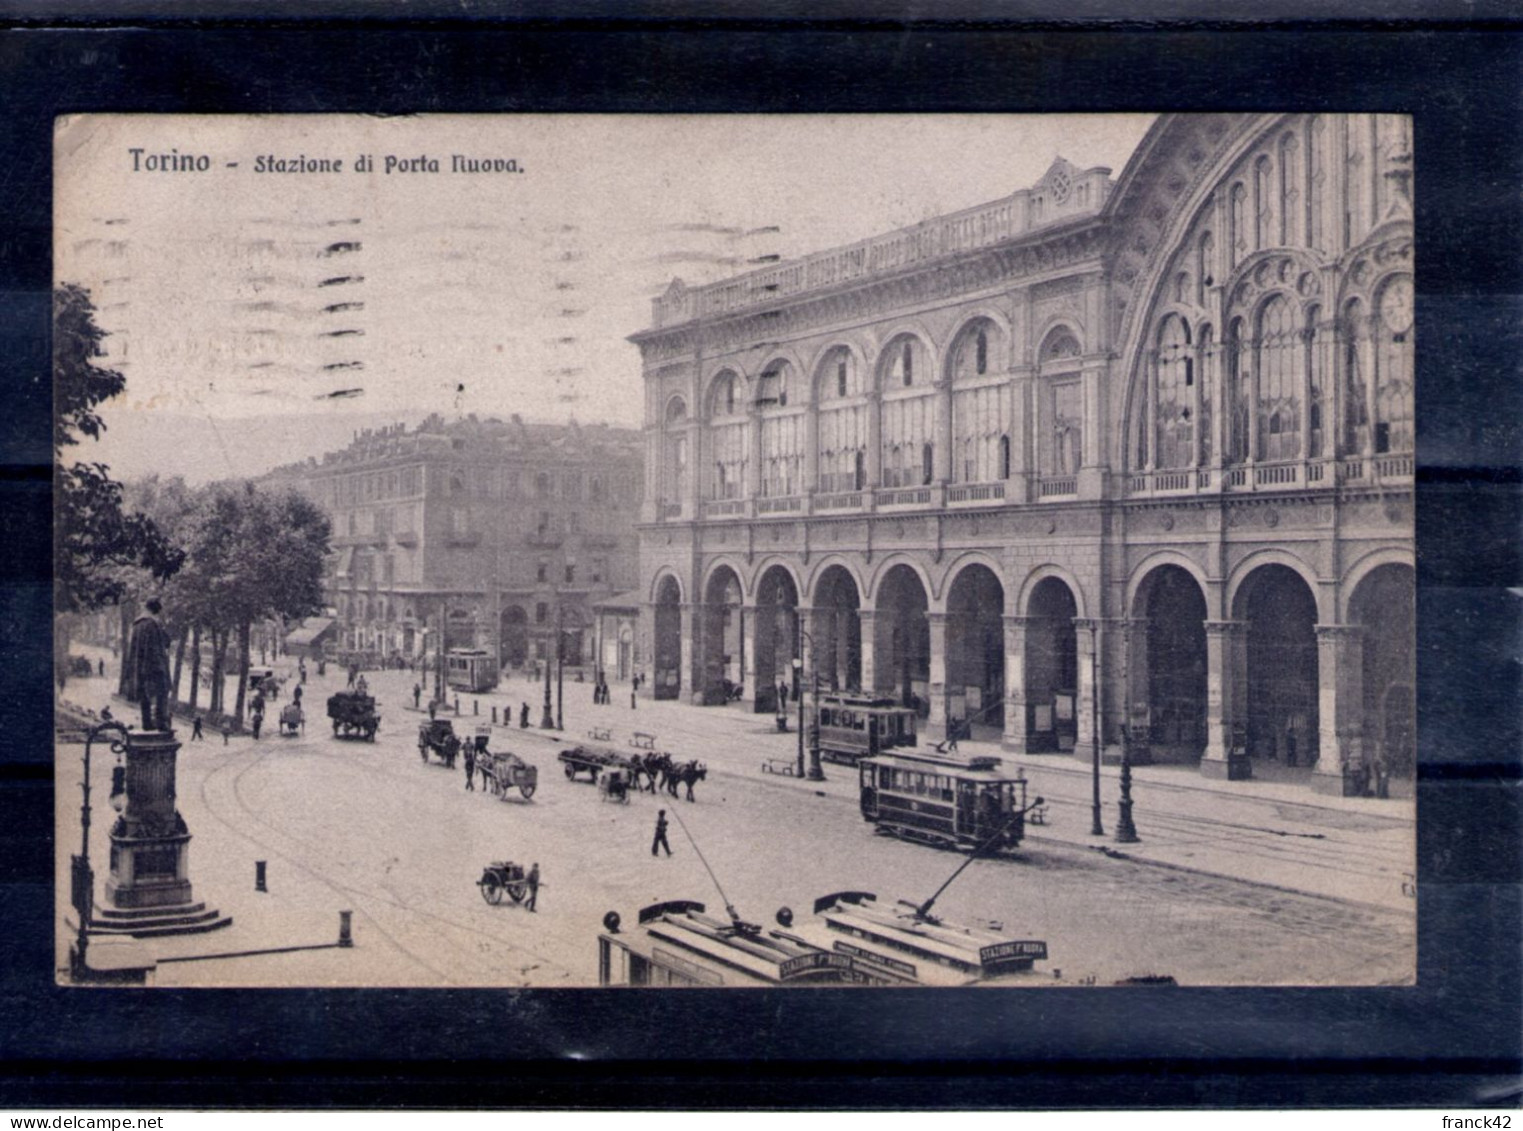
494,716
345,936
457,704
475,706
259,876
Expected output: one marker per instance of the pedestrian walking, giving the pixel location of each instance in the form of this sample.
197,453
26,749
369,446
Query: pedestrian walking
433,709
103,667
258,721
417,693
523,716
953,727
195,730
659,841
227,732
470,767
782,697
533,881
631,698
296,695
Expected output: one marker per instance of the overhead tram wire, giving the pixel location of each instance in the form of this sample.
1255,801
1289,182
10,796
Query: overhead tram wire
740,924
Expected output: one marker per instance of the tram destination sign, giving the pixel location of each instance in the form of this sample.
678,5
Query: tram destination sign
1033,949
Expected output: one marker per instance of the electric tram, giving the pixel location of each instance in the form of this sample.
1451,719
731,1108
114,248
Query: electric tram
858,726
470,669
944,800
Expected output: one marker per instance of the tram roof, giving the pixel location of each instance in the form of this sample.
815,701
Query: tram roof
979,768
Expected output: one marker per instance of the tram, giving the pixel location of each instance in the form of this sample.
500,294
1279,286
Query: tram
470,669
858,726
951,802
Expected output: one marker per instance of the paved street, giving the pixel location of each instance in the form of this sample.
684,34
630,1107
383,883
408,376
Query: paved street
1247,883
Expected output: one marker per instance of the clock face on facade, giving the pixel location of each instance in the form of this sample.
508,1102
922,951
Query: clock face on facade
1396,306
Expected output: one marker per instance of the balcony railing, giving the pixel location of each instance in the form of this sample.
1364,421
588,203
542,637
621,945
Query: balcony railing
783,504
840,501
724,508
1055,486
976,492
902,496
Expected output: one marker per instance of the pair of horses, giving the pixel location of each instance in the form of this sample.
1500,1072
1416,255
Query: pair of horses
663,770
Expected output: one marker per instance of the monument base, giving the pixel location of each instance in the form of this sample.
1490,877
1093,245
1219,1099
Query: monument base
156,922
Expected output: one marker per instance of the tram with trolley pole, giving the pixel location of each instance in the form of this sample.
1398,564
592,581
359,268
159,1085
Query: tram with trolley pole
853,727
946,801
470,669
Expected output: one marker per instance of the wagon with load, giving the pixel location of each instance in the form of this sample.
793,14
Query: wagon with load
590,761
354,715
503,770
437,736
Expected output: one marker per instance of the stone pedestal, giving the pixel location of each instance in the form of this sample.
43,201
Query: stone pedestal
149,841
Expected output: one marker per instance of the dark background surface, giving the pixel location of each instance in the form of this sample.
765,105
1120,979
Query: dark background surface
1451,1041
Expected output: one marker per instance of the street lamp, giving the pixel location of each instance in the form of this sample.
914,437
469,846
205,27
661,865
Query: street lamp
81,875
1126,831
815,773
1095,828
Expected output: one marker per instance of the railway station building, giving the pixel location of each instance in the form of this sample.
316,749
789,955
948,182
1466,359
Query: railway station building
1115,454
496,534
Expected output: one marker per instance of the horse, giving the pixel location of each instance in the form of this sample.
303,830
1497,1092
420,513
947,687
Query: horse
689,773
656,768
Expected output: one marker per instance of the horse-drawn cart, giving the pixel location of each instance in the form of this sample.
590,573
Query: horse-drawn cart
292,721
438,736
505,771
584,759
503,876
354,715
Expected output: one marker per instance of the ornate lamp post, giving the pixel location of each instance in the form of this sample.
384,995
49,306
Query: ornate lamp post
1095,828
815,772
1126,831
81,875
560,666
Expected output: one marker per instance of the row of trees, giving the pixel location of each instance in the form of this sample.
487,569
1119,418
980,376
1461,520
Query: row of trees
220,557
248,555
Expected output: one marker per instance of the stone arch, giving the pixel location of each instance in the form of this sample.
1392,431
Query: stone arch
1049,605
1383,604
817,571
1040,574
719,627
817,362
777,599
902,633
1276,608
1271,555
968,318
976,597
1363,567
725,561
914,327
836,628
967,558
875,579
1168,557
711,389
1053,328
1167,666
767,562
786,355
664,574
675,409
666,623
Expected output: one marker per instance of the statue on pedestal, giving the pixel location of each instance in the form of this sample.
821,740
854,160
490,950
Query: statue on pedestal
146,675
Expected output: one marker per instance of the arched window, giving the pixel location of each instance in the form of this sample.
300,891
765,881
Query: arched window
1237,236
1356,405
1205,251
841,424
1316,186
729,439
1264,202
1176,378
1061,441
980,407
1393,367
1290,189
1237,392
675,453
907,413
1205,369
1279,366
1004,457
782,432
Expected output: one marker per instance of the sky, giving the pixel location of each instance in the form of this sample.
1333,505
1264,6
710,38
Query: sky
262,316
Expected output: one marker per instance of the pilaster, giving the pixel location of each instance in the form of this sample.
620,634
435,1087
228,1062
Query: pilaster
1224,638
1340,705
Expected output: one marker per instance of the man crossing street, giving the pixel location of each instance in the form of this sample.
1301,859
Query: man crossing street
660,838
533,881
470,766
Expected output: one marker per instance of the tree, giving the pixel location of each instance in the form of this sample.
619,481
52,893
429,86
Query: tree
94,539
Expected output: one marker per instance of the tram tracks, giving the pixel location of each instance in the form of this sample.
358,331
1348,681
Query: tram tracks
296,851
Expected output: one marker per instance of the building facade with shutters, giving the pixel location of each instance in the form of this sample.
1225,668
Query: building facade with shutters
1151,434
497,533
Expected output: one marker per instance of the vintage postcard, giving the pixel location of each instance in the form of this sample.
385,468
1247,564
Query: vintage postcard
564,551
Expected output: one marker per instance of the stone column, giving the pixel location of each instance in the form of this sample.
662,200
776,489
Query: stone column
1090,637
748,680
1132,701
1224,639
936,689
1016,734
867,618
1340,704
685,669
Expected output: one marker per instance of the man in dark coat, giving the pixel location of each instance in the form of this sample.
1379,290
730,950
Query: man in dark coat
659,841
146,679
533,881
470,766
